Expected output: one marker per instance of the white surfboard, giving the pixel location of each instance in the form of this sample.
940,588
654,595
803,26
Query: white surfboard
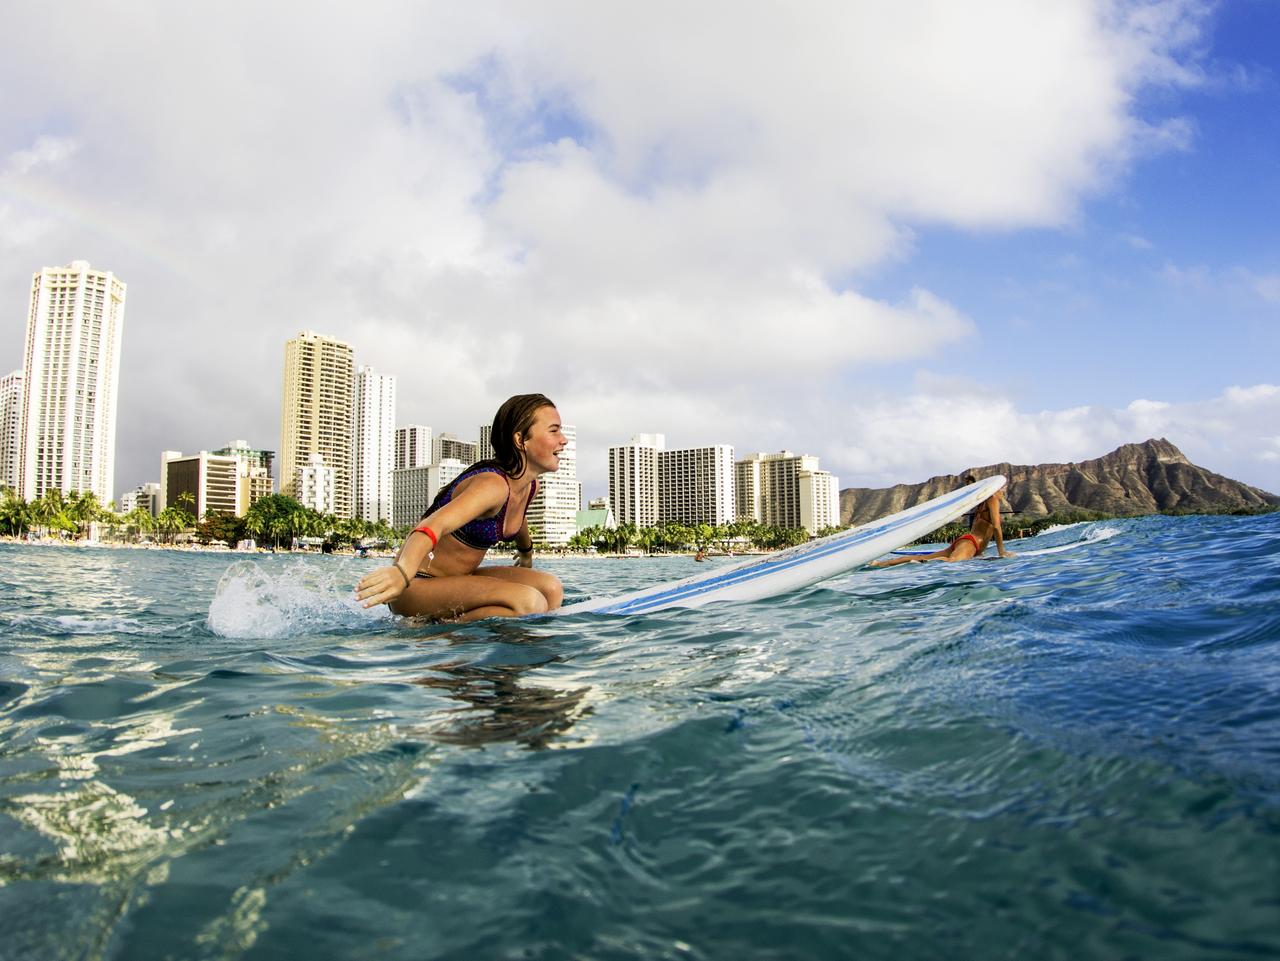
797,567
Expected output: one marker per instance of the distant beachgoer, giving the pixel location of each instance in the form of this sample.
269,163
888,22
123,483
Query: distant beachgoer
701,555
985,523
437,572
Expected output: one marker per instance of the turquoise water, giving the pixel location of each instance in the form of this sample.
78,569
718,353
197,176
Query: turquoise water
1074,754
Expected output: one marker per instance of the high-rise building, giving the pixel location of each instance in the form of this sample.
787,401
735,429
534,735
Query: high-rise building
633,480
317,485
819,500
772,488
315,415
413,446
10,428
695,485
450,447
553,512
374,431
484,449
210,481
72,373
409,500
254,469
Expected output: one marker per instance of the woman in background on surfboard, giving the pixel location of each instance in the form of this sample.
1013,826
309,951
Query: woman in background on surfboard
985,523
437,572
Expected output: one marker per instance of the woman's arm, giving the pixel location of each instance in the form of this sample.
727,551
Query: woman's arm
524,545
993,508
482,495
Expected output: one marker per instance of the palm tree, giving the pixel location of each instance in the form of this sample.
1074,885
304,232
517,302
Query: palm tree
172,520
141,520
83,509
646,537
15,514
46,508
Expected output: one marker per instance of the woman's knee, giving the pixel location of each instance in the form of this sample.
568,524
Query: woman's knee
552,590
527,600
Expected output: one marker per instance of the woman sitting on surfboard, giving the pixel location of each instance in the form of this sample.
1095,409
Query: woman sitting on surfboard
986,522
437,572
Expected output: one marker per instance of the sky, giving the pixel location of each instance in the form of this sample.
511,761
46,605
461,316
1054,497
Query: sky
909,238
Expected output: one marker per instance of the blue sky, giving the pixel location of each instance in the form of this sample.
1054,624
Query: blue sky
1151,290
907,238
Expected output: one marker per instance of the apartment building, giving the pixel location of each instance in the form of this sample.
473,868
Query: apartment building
71,364
10,429
451,447
210,481
373,443
786,490
633,479
413,446
316,416
696,485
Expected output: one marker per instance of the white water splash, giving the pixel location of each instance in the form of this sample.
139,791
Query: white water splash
1093,535
251,602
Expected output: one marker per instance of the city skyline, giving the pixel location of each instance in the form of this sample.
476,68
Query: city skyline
996,233
317,365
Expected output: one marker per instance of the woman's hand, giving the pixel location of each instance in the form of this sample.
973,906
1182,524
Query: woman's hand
382,586
524,558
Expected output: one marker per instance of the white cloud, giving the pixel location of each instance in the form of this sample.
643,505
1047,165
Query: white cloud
933,431
638,208
1232,280
1266,286
45,152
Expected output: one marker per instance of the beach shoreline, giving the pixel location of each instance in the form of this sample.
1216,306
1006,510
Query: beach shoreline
84,543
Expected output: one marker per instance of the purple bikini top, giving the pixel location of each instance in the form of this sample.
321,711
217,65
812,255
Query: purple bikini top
481,533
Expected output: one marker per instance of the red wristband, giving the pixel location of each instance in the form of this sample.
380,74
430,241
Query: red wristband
424,529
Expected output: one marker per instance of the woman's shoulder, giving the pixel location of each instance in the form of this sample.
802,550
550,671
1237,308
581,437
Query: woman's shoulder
490,483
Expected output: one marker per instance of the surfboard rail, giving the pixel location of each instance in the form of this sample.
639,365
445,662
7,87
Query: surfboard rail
797,567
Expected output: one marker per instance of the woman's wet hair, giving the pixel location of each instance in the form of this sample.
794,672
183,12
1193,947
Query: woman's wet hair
515,416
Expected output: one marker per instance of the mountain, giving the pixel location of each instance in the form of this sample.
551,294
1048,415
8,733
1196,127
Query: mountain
1141,478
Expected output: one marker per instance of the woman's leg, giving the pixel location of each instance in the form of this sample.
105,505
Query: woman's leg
468,598
914,559
548,585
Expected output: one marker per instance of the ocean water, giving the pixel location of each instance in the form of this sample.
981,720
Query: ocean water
1071,754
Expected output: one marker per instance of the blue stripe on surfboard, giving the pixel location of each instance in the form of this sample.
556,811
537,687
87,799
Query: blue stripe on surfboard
778,563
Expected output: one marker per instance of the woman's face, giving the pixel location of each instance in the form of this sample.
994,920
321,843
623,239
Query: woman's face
544,441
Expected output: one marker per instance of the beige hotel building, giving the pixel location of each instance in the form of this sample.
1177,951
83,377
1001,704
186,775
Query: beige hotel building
787,490
316,414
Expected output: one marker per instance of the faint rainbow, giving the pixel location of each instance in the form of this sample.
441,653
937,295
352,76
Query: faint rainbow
91,216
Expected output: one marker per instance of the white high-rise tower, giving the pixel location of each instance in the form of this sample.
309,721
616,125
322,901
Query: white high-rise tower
374,431
633,480
10,428
72,365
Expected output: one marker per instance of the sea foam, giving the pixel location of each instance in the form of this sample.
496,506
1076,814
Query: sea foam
253,602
